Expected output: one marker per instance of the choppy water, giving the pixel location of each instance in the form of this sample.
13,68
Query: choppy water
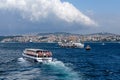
100,63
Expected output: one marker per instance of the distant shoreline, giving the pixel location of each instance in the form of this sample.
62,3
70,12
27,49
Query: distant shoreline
59,37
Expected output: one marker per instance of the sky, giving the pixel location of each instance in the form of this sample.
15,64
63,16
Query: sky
73,16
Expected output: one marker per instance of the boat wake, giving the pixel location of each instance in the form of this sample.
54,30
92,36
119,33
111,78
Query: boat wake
24,62
62,71
21,60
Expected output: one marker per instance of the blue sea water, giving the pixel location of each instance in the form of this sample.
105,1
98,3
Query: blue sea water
102,62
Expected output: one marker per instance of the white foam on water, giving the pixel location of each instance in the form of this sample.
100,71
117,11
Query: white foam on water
62,71
61,68
23,62
23,75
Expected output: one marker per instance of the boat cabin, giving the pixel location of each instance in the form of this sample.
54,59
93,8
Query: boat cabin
38,53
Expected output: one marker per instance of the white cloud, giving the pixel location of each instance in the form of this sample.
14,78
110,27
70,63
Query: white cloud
37,10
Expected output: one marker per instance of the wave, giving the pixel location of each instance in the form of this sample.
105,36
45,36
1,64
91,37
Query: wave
22,75
63,72
58,70
23,62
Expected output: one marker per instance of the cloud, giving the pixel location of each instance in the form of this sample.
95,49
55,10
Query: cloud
42,10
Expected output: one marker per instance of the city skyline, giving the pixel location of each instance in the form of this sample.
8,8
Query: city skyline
81,17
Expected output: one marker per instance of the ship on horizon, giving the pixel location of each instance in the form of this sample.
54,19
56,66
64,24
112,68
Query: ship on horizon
71,44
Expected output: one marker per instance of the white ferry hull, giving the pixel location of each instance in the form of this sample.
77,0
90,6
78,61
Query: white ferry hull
38,59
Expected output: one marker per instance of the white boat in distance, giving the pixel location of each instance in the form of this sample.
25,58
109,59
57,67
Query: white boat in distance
38,55
71,44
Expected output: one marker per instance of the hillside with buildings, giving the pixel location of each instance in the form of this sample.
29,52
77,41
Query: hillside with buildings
62,36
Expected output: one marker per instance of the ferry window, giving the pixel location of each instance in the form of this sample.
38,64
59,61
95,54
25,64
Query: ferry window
37,51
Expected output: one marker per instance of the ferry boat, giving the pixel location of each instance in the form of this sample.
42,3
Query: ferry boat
38,55
71,44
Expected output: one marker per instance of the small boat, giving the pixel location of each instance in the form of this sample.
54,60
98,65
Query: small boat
88,47
38,55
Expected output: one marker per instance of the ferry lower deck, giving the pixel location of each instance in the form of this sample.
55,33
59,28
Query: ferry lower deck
37,59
